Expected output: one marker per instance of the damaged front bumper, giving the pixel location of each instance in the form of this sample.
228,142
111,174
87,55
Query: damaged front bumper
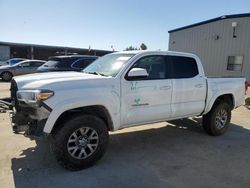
29,120
21,123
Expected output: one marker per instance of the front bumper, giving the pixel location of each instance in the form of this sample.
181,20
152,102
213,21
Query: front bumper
23,124
27,119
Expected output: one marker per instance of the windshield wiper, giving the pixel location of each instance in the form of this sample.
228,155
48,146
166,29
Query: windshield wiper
96,73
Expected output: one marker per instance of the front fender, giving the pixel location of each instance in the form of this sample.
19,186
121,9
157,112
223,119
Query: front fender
110,103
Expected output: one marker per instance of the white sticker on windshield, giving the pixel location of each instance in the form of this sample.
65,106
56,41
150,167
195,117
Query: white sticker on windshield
122,58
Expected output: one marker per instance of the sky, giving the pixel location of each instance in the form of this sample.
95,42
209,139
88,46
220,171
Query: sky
105,23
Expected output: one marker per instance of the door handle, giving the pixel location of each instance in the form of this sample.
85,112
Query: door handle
165,87
199,85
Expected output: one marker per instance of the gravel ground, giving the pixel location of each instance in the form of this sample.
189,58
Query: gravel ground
167,154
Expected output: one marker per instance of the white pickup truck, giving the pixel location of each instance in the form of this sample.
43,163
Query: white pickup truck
77,109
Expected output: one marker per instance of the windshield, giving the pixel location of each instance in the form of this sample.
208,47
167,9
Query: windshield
108,65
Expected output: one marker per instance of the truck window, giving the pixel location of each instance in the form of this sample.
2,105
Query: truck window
184,67
155,66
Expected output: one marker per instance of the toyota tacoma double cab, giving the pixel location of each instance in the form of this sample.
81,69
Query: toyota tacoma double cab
76,110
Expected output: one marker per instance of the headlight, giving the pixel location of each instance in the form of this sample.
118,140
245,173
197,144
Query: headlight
34,96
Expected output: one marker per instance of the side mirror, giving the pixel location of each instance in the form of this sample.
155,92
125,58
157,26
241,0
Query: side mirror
137,73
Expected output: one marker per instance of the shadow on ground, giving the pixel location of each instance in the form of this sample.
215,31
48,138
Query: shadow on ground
1,81
174,155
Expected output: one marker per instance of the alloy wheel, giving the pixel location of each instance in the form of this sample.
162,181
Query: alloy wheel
83,142
221,119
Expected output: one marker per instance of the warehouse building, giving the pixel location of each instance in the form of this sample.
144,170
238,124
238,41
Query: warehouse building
223,44
32,51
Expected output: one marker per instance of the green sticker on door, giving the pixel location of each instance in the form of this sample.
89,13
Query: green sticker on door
133,86
137,101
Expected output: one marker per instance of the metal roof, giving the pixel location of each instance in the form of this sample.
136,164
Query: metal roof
211,20
47,46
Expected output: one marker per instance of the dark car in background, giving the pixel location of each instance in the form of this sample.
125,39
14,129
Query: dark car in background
67,63
21,68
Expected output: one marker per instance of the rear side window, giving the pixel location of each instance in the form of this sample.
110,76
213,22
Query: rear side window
38,64
59,62
184,67
32,64
26,64
82,63
64,63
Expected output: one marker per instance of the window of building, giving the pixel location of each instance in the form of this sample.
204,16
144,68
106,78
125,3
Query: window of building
235,63
184,67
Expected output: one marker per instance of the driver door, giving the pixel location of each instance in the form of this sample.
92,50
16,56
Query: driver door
147,100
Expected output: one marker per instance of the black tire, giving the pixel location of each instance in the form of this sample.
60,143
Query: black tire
6,76
209,119
60,141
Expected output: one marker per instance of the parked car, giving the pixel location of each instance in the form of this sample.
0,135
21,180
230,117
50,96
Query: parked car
23,67
12,61
77,109
67,63
3,63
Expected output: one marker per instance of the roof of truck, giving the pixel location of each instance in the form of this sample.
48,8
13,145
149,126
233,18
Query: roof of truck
135,52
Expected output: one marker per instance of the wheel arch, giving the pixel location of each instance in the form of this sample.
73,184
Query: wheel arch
96,110
228,98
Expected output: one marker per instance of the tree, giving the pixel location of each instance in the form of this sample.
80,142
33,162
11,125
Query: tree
130,48
143,46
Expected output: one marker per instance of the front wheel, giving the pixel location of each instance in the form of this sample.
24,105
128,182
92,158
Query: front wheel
217,120
80,142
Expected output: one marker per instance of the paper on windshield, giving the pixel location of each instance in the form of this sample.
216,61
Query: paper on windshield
122,58
117,65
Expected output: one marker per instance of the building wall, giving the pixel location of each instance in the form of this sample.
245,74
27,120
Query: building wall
201,40
4,53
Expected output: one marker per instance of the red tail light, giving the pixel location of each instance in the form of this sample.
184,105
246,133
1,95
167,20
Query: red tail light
246,87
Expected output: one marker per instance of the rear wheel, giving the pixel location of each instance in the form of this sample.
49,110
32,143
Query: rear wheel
81,142
217,120
6,76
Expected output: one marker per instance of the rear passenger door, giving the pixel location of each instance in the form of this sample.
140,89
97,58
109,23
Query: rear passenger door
189,87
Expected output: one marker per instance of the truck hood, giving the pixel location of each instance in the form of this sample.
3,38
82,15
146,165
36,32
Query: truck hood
53,80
